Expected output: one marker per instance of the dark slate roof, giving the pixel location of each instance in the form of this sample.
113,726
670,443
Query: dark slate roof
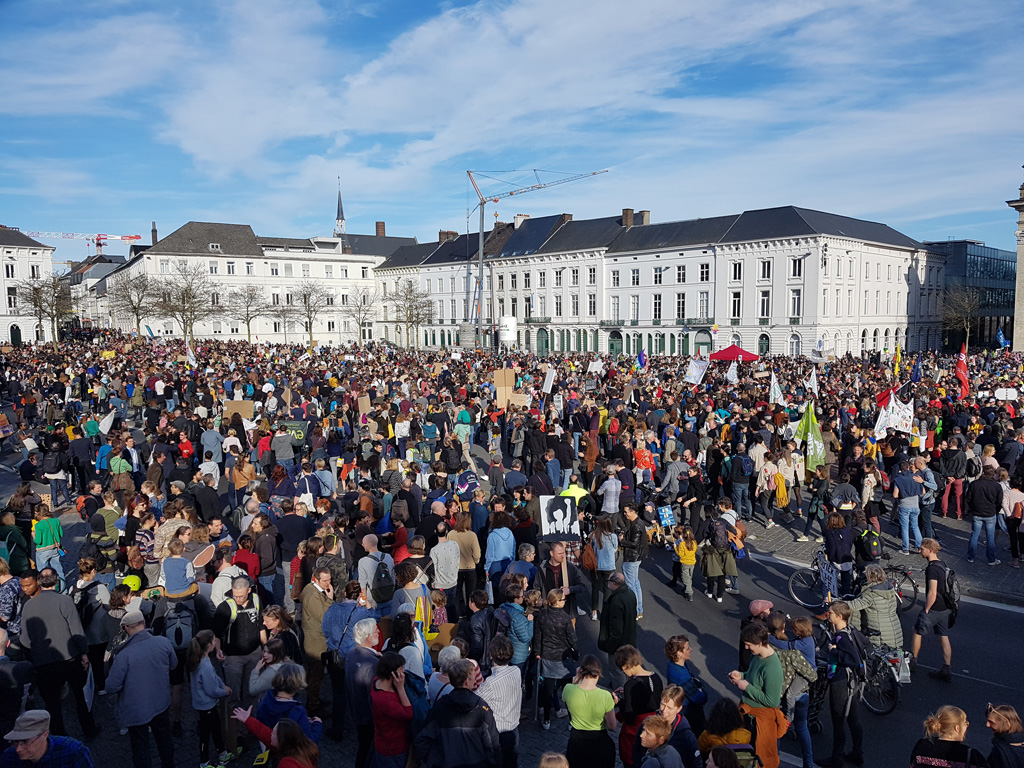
584,235
462,248
18,239
673,234
790,221
409,256
372,245
196,236
284,242
531,235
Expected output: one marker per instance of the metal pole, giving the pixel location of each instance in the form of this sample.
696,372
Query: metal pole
480,282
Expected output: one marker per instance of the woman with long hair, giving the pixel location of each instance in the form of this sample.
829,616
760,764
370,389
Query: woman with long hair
1007,736
605,544
943,742
288,744
207,690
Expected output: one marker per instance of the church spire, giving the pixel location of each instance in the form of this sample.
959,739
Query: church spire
339,222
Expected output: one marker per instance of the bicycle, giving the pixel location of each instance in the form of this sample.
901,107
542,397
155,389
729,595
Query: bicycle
886,669
811,587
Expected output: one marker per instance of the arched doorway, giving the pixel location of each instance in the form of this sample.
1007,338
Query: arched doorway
614,343
684,344
15,335
735,339
764,345
875,339
542,342
703,342
886,337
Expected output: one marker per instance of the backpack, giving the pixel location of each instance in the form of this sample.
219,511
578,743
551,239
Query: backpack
951,594
973,466
180,624
746,466
51,463
613,426
5,548
382,585
864,651
720,535
886,481
85,607
870,545
80,504
91,549
501,622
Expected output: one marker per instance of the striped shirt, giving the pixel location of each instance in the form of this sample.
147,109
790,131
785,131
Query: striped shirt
503,692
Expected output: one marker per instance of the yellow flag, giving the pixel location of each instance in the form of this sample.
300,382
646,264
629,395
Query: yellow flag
896,361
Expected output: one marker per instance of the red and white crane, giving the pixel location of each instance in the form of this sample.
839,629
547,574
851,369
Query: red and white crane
99,240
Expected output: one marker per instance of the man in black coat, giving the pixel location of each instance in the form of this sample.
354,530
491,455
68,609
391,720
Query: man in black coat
207,500
460,731
551,575
618,624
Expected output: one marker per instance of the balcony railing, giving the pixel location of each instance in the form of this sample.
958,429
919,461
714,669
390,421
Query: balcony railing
734,321
763,321
612,323
700,321
656,321
537,320
794,321
634,322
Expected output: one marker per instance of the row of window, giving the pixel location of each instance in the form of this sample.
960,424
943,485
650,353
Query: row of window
35,271
249,268
278,326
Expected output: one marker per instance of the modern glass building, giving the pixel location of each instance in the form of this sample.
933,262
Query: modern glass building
993,273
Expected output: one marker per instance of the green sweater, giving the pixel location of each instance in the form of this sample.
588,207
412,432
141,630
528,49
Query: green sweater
765,678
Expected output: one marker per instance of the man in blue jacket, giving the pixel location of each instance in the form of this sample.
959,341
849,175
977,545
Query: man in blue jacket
141,675
460,731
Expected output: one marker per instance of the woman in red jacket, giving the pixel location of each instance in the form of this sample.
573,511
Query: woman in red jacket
289,745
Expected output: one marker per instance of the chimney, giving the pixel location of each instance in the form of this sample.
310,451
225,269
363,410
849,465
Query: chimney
445,235
565,218
346,249
154,233
499,225
645,217
380,229
627,217
519,219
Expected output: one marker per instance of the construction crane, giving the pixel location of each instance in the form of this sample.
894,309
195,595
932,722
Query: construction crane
99,240
484,199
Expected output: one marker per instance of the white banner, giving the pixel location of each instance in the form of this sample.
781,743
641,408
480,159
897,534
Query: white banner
901,416
812,383
696,371
732,376
775,392
549,380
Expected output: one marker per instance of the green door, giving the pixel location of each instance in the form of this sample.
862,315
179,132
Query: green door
684,345
542,343
15,336
615,344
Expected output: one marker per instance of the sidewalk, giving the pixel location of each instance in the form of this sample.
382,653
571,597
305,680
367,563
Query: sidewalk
1000,583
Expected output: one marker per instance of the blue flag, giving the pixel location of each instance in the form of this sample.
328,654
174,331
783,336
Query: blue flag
915,376
641,359
1001,338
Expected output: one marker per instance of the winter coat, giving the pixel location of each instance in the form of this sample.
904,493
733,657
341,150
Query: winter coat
618,620
141,675
272,710
878,607
553,634
266,546
459,732
520,632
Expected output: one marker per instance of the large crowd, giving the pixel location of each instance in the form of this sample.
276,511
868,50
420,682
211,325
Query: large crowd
288,548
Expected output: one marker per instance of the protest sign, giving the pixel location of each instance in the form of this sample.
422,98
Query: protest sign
243,407
558,521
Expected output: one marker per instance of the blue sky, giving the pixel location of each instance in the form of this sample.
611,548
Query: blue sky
115,113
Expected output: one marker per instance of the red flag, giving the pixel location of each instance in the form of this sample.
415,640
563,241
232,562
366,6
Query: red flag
961,371
882,398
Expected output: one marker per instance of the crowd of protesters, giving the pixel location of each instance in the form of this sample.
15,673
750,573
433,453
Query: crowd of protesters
302,545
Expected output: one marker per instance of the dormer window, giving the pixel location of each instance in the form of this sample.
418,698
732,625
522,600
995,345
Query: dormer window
214,247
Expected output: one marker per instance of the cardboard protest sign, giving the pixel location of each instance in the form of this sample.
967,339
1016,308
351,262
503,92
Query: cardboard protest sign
519,400
243,407
438,368
558,521
364,405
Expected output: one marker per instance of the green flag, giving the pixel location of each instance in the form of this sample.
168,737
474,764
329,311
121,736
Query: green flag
809,431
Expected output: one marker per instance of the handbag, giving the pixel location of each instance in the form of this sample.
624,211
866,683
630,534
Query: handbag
589,558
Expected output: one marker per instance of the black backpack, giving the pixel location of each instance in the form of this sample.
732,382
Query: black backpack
501,622
719,535
51,463
864,651
951,594
869,545
382,585
91,549
86,608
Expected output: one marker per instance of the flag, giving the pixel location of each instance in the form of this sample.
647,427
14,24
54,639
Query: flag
915,376
696,370
961,371
150,332
731,375
641,359
190,355
896,361
108,422
810,433
775,392
812,383
1001,338
882,398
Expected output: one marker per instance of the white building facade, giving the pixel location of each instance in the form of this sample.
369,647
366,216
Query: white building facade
23,259
776,281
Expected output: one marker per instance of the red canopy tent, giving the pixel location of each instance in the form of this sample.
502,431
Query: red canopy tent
732,352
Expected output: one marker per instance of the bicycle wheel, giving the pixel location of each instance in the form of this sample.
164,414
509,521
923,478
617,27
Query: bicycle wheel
805,588
906,590
882,688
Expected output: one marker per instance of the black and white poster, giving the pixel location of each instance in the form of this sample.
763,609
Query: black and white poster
558,520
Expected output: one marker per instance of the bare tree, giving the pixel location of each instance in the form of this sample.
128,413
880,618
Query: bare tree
413,308
283,314
960,305
360,306
48,300
185,297
132,297
313,299
246,304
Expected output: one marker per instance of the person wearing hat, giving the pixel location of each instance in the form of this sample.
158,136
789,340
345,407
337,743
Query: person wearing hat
32,744
141,676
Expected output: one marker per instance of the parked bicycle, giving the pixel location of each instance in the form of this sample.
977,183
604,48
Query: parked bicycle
815,586
886,669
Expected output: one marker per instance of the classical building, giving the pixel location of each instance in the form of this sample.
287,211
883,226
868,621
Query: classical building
992,272
23,259
235,256
776,281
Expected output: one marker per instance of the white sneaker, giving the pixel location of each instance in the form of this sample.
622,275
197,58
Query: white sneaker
996,562
771,524
563,712
593,617
803,538
718,599
580,611
732,590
